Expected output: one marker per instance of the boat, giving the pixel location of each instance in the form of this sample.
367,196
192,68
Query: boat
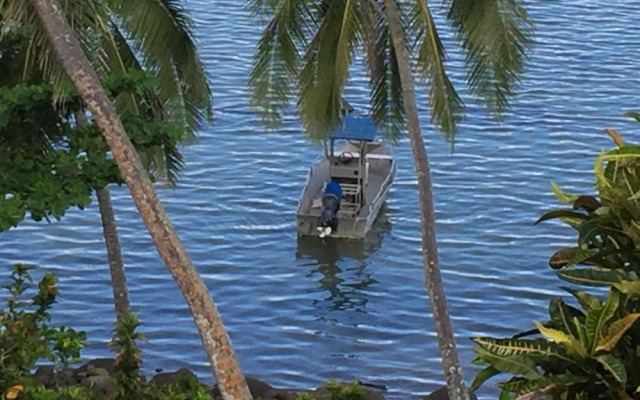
346,188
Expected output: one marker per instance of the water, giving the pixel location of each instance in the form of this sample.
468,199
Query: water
298,313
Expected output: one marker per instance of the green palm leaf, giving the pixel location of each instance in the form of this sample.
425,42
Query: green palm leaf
446,105
387,102
495,36
162,33
326,65
83,16
177,72
277,61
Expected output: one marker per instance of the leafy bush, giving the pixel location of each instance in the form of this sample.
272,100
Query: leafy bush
590,351
130,383
337,391
26,335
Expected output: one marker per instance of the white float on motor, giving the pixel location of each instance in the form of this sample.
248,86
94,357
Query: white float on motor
324,232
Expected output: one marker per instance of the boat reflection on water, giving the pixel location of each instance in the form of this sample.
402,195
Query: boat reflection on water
339,265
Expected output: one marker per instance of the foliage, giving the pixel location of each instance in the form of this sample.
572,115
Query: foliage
26,335
130,383
186,387
589,351
48,164
36,391
608,231
307,49
338,391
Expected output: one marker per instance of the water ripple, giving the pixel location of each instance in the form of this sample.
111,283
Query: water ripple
299,312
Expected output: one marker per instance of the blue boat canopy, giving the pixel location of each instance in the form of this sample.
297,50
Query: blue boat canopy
356,128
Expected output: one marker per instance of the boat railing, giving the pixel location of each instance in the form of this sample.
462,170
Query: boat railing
384,184
304,188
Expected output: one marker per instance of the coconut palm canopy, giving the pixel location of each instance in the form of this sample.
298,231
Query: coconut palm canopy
307,48
119,36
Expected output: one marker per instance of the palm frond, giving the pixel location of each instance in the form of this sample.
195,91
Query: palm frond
277,59
116,56
262,8
83,16
495,36
162,34
387,102
446,105
163,161
326,65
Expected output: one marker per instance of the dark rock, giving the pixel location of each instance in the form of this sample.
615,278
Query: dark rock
105,363
49,377
261,391
258,388
442,394
166,378
96,371
278,394
373,385
45,375
102,385
323,393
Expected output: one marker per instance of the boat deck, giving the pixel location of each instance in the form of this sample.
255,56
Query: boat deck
378,172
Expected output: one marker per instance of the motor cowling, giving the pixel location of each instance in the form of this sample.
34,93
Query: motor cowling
331,198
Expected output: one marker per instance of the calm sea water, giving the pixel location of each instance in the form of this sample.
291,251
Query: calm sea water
299,312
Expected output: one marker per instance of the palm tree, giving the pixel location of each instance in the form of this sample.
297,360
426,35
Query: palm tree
55,37
163,43
162,32
306,51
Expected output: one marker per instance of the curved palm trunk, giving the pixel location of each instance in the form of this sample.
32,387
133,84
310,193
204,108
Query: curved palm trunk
214,337
448,351
112,243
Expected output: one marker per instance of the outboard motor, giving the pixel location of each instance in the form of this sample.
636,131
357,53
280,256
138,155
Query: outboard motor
330,205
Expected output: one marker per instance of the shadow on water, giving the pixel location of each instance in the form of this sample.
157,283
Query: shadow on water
340,266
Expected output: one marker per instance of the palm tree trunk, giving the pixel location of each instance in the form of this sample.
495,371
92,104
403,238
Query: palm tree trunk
214,337
112,243
448,351
114,254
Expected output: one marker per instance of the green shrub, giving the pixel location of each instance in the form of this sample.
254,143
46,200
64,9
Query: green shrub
337,391
26,335
130,383
590,351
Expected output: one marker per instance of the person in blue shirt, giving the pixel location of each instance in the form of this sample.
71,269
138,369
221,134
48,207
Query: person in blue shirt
330,205
334,188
